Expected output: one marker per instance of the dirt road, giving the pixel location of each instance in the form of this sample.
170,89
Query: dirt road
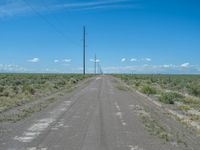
100,116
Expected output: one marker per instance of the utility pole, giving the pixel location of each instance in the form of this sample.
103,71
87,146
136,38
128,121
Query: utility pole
100,69
95,64
84,45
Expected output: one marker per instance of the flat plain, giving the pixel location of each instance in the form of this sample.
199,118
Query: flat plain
105,112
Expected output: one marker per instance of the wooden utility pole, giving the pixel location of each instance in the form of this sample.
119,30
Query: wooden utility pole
84,45
95,64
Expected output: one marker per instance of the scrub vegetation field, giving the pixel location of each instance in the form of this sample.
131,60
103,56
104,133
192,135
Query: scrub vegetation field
18,89
171,88
178,93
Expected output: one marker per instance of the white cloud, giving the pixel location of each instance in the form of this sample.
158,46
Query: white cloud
166,66
34,60
92,4
146,68
97,60
148,59
67,60
64,60
56,61
133,59
123,59
185,64
11,68
16,7
119,6
170,66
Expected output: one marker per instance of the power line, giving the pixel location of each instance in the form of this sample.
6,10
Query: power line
47,7
48,22
54,16
61,33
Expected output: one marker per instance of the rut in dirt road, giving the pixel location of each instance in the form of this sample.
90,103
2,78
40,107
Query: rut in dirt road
99,116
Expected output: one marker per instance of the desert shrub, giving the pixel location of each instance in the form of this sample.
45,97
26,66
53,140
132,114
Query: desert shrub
29,89
148,89
137,83
15,89
61,83
147,81
55,86
18,82
170,97
184,107
194,89
187,84
189,100
5,93
1,89
73,81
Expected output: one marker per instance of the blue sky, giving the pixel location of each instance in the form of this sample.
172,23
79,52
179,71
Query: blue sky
128,36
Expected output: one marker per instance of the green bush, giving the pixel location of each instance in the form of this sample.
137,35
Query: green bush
170,97
15,89
148,89
1,89
137,83
29,89
73,81
194,89
5,93
184,107
189,101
